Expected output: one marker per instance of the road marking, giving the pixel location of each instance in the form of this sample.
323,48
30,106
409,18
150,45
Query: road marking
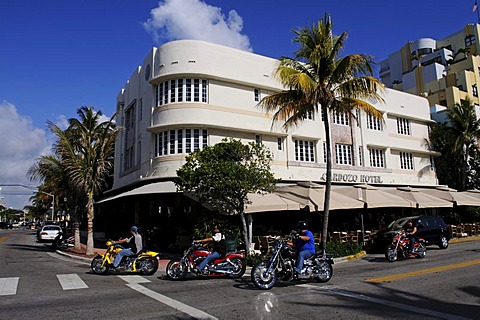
134,279
407,307
424,271
8,286
71,281
3,239
133,282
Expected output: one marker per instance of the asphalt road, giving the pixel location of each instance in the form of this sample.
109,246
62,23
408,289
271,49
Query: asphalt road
37,283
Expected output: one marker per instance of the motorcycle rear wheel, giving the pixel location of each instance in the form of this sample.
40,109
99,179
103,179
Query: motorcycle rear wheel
391,254
324,272
148,266
239,267
176,270
97,267
261,279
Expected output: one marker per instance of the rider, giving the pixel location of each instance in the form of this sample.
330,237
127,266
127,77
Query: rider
411,233
134,246
218,242
305,244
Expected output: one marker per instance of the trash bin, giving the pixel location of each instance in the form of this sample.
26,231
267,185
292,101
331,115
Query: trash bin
231,245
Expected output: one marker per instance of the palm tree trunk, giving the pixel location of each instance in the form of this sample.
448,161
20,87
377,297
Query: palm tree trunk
328,185
90,213
77,236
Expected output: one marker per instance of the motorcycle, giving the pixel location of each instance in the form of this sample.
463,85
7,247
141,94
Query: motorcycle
232,264
61,242
400,245
145,262
282,263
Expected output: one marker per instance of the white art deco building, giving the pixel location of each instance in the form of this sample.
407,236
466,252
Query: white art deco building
189,94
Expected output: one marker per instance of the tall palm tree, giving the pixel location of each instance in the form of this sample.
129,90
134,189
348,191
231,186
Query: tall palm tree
86,148
318,80
457,140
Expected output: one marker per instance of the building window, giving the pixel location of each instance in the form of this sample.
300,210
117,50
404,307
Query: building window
308,115
180,141
374,123
130,136
258,139
432,164
470,40
304,151
377,158
171,91
256,95
341,118
279,144
406,161
140,110
360,156
475,90
403,126
343,154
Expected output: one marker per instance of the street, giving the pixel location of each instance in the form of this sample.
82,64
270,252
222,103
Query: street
36,282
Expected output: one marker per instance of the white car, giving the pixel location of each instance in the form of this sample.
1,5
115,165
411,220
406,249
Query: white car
48,232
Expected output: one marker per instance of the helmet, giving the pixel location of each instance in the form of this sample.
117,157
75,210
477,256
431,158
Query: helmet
134,229
302,225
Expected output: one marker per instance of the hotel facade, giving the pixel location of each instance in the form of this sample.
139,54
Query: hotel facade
190,94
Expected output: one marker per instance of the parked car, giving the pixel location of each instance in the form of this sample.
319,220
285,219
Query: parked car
5,225
48,233
431,228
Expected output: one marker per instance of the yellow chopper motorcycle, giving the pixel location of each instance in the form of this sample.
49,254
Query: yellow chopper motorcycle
145,262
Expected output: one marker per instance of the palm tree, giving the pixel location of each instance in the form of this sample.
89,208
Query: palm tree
86,149
319,78
457,140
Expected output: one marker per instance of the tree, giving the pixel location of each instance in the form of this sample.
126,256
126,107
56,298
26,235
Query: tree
318,80
224,174
86,150
457,140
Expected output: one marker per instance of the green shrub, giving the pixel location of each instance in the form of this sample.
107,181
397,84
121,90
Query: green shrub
253,259
343,249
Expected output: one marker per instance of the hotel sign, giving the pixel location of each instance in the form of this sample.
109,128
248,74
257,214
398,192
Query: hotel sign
355,178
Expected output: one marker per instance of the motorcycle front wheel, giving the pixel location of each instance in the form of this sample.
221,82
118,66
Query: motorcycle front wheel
176,270
422,251
323,272
97,267
148,266
391,254
239,267
261,278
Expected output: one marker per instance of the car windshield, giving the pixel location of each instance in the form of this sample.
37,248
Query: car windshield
398,224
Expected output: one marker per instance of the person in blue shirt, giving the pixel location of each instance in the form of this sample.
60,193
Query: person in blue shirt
305,244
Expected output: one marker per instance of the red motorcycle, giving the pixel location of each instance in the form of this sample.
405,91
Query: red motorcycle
400,245
232,264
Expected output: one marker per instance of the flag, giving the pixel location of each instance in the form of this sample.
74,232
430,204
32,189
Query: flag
475,6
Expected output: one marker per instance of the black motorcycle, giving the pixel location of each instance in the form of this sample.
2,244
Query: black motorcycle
61,241
282,263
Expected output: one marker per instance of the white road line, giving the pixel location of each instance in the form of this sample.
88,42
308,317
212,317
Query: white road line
134,283
397,305
71,281
8,286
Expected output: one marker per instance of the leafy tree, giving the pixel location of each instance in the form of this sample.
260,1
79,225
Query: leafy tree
457,140
319,80
82,162
222,176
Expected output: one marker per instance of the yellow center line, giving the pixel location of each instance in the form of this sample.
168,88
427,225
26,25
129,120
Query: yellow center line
424,271
3,239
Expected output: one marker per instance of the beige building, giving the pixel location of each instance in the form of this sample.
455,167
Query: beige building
189,94
446,71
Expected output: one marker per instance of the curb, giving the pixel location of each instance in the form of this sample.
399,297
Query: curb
348,258
464,239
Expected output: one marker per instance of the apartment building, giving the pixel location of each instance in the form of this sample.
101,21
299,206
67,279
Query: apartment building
445,71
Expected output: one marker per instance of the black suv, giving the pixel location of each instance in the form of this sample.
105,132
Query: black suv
431,228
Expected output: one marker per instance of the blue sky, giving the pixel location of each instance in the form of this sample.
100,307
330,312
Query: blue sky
59,55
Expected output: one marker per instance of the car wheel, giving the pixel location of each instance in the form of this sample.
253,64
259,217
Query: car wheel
443,244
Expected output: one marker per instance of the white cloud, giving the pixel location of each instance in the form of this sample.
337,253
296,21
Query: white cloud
20,146
194,19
